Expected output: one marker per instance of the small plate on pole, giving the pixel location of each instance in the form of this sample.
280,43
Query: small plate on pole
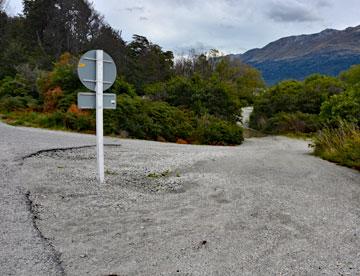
87,100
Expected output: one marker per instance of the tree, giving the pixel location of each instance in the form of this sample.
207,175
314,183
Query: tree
147,63
110,41
12,44
351,76
317,89
202,64
53,27
3,24
2,5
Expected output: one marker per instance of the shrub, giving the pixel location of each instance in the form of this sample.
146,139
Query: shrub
51,99
180,91
63,77
8,104
145,119
51,120
220,100
351,76
79,122
292,122
213,131
15,94
345,106
340,144
211,96
293,105
317,89
120,86
35,119
156,91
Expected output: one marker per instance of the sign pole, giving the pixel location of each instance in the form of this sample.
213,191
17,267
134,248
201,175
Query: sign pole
99,115
97,72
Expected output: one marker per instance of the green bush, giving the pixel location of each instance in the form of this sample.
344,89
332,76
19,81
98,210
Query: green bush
78,122
340,144
52,120
317,89
16,94
120,86
220,100
146,119
55,120
351,76
294,105
182,91
196,108
213,131
8,104
345,106
292,122
156,91
211,96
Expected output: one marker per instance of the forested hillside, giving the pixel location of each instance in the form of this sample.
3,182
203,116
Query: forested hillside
195,99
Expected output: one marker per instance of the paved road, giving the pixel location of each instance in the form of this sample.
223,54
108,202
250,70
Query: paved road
264,208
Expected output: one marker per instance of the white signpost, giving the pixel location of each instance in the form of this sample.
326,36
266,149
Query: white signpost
97,71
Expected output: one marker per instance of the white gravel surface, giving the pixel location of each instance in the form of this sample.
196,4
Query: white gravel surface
266,207
246,112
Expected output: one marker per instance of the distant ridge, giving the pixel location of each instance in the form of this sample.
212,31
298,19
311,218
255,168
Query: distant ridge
295,57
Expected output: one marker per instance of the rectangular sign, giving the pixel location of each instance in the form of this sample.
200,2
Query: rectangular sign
87,100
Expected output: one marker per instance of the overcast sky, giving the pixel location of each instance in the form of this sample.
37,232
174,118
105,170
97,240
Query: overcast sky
232,26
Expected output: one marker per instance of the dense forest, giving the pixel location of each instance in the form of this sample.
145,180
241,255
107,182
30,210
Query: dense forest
194,99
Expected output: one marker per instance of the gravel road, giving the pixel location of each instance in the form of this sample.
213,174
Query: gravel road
246,112
266,207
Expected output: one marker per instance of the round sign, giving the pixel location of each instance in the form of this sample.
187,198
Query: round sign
87,70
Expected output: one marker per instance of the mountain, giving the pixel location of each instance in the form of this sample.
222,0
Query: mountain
296,57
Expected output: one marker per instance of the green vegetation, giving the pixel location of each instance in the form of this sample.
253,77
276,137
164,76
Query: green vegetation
294,106
345,106
213,131
340,144
110,172
195,99
326,108
159,175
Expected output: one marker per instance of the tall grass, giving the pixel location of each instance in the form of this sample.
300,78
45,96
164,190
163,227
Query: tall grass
340,145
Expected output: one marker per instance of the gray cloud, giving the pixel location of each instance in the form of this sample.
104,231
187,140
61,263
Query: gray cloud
232,26
285,11
135,9
324,3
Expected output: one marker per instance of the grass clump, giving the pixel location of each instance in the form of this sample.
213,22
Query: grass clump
340,145
159,175
110,172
